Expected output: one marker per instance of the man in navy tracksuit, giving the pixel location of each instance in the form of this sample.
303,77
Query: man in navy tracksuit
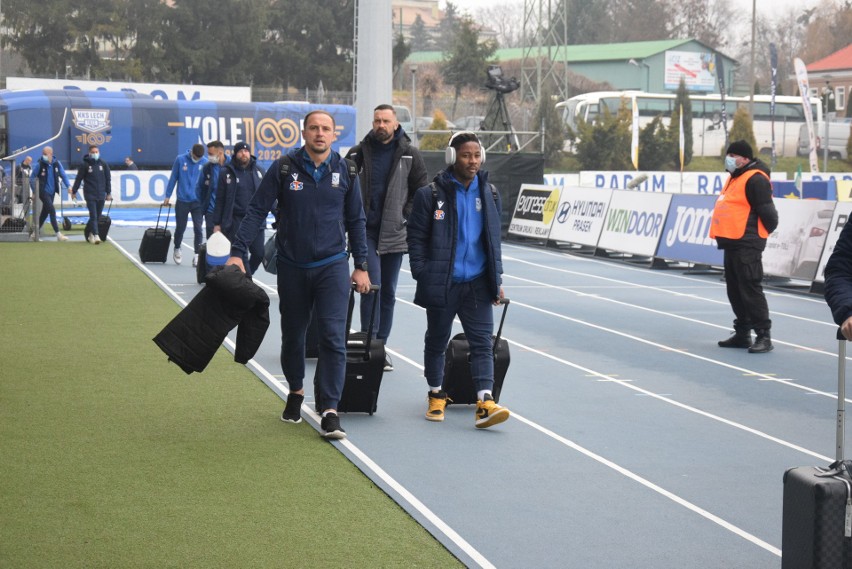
97,188
185,173
455,256
319,206
45,178
208,181
238,181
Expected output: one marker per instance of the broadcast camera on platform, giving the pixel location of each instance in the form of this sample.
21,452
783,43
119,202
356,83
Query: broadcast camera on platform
496,82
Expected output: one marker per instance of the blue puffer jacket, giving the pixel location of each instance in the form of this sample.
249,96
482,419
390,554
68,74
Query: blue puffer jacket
433,238
95,177
838,277
185,174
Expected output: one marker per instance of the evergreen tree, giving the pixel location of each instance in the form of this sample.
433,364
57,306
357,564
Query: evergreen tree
605,145
435,141
742,129
466,60
554,133
421,39
654,147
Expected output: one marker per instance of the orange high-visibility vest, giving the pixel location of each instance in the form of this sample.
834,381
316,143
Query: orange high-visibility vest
730,214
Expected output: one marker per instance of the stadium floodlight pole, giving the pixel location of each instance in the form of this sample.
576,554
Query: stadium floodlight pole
751,72
20,151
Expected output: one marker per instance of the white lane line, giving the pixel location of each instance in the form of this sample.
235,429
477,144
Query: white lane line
744,371
632,475
281,390
651,486
663,312
570,258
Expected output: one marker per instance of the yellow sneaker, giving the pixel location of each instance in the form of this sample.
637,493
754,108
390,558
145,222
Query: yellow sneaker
488,413
437,404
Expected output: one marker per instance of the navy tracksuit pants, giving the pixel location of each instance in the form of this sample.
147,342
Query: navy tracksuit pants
326,290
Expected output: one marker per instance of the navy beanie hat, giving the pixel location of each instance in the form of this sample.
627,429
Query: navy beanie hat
241,146
741,148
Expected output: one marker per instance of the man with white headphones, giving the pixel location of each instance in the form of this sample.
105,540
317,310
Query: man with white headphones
455,257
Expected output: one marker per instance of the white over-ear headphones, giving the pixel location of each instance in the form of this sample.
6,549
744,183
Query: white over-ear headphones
450,152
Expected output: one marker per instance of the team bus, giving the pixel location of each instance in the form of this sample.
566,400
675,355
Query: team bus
708,134
152,131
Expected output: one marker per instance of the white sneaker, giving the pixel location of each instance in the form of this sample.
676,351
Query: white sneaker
60,237
91,239
177,256
195,260
97,240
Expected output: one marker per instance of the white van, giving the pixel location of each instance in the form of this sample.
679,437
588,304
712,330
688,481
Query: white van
406,121
838,136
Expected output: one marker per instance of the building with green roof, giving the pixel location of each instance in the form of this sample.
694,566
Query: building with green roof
651,66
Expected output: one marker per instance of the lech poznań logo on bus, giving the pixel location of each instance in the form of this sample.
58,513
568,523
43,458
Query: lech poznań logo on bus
93,122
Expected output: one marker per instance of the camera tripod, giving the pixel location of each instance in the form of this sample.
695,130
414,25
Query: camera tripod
497,118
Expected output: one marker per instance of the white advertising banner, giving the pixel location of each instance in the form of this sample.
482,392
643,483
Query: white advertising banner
634,222
534,211
842,211
131,187
701,183
580,215
562,179
795,248
165,91
698,70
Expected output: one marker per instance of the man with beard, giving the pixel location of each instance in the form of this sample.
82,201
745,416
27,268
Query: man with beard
238,180
390,171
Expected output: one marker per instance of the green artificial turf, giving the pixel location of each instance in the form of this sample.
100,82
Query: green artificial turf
112,457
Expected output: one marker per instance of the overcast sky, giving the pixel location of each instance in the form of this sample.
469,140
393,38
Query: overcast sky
766,8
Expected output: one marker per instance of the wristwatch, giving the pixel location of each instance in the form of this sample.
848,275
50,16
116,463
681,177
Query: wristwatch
362,266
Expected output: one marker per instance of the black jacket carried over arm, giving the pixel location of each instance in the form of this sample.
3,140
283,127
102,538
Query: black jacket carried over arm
229,299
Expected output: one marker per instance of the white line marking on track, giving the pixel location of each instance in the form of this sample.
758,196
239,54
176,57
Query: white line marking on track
635,477
650,485
281,390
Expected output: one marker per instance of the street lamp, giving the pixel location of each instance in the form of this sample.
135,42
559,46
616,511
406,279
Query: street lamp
413,68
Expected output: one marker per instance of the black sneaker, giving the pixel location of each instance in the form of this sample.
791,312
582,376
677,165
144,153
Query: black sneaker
331,427
388,363
293,411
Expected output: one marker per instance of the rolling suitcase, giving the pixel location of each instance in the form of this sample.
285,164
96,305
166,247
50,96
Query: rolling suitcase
154,247
104,223
458,382
365,366
816,528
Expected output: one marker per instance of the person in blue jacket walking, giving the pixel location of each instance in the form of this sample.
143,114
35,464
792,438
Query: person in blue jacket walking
95,176
185,173
209,180
319,207
238,181
45,178
455,257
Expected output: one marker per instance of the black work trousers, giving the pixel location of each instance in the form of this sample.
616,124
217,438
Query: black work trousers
743,274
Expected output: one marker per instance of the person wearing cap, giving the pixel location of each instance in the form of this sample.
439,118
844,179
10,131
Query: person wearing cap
743,218
185,173
238,180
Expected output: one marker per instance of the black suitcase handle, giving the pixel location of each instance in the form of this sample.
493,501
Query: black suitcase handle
374,290
505,302
168,211
841,394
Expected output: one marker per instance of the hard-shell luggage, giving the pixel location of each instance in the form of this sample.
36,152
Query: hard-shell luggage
365,366
154,247
816,528
104,223
458,382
